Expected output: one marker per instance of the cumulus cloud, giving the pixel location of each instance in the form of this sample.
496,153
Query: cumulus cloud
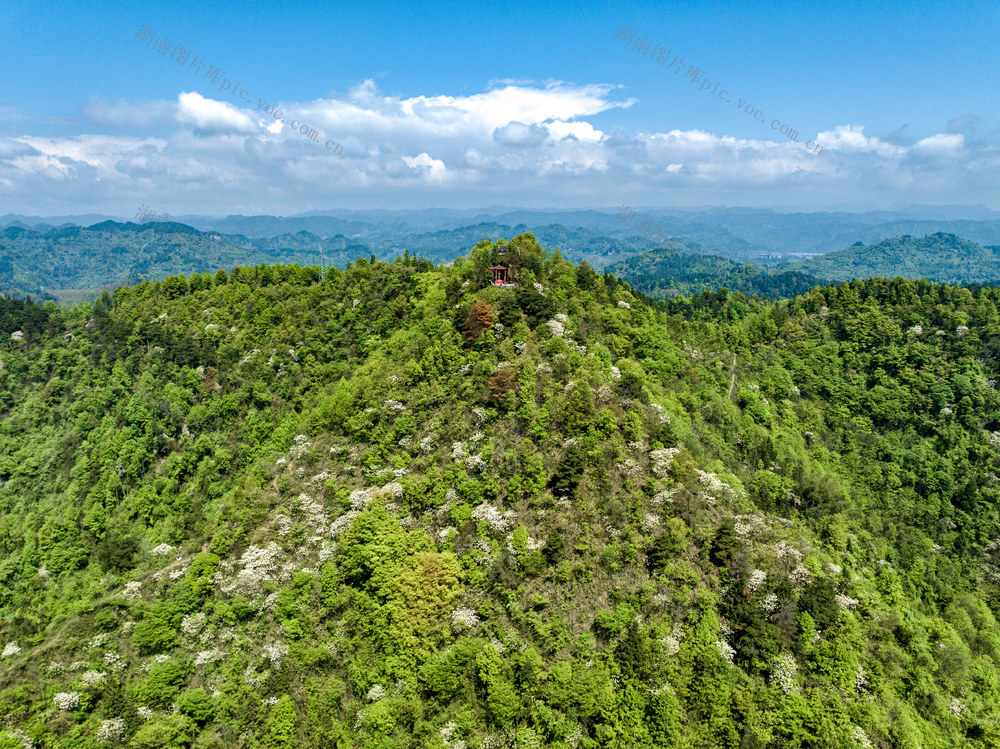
519,134
11,148
435,168
940,144
516,142
583,131
211,115
851,139
84,155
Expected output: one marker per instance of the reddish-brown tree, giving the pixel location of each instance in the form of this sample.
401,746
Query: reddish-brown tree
480,318
501,384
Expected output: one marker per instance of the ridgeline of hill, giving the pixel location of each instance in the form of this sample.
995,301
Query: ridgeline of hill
394,506
667,272
664,273
73,264
937,257
740,233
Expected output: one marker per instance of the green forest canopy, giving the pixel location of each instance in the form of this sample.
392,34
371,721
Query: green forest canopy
392,506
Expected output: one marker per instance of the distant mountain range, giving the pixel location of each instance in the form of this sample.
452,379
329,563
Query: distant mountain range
666,272
793,234
744,234
73,263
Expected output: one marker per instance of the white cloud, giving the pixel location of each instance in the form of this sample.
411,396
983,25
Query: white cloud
103,154
940,144
851,138
212,115
583,131
12,148
436,171
515,143
519,134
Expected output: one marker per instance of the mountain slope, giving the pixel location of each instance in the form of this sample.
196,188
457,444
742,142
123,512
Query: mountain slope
75,263
665,272
109,253
394,506
938,257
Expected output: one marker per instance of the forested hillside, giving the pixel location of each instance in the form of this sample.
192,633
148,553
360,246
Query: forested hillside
938,257
394,506
75,264
665,273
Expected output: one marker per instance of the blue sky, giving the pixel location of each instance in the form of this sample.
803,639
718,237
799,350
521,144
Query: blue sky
514,103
